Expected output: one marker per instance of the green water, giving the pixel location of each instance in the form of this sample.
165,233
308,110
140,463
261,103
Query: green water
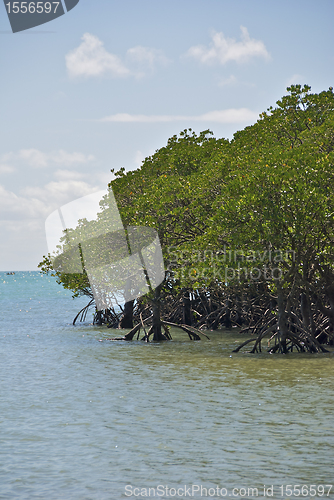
83,419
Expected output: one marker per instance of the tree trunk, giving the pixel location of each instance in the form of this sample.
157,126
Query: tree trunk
228,322
99,318
330,295
304,308
282,327
127,316
186,309
156,319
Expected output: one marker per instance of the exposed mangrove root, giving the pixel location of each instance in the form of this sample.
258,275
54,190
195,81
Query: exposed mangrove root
243,344
129,336
291,321
146,337
299,339
299,317
83,312
192,332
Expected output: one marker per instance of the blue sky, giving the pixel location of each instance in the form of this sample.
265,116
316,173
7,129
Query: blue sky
108,83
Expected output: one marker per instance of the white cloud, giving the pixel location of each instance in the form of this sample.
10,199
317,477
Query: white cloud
56,193
65,158
6,169
231,80
223,49
23,218
64,175
33,157
92,59
38,159
230,115
14,207
127,118
219,116
39,202
145,58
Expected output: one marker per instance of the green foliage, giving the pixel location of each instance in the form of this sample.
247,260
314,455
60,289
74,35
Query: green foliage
174,189
78,283
279,192
267,191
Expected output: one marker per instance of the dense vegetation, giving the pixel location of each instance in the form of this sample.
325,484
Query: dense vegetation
246,228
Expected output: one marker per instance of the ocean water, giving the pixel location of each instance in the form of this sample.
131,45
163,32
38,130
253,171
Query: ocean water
82,417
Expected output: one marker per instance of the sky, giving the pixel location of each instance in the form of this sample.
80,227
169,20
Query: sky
105,85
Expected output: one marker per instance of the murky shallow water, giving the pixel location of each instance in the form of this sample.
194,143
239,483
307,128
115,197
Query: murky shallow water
82,419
